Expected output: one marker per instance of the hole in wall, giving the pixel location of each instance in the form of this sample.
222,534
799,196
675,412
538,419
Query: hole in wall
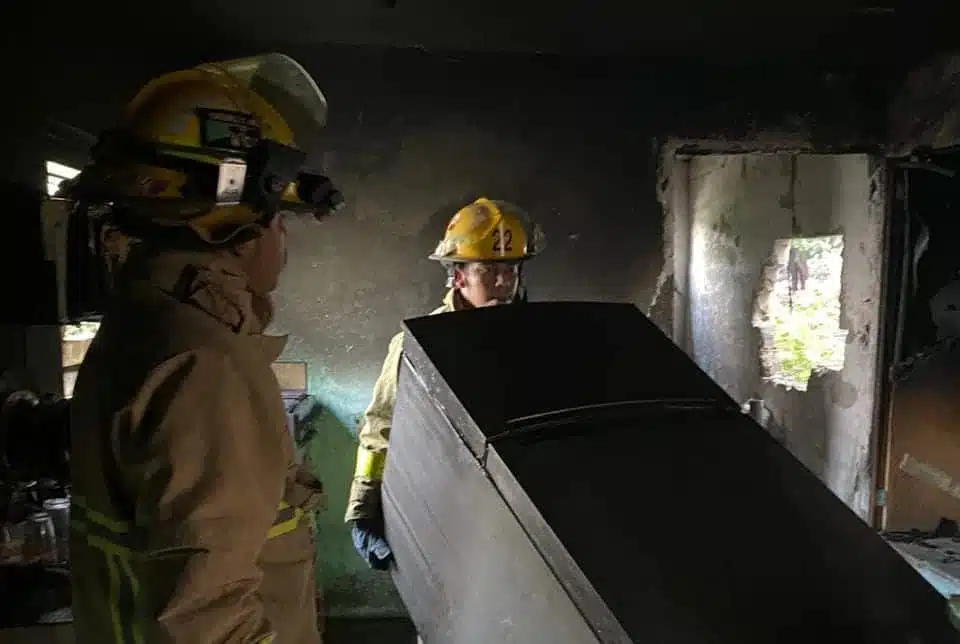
798,311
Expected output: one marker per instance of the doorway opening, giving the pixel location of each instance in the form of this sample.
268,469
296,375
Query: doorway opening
777,262
922,448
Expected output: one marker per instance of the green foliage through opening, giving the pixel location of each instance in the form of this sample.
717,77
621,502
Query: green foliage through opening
798,311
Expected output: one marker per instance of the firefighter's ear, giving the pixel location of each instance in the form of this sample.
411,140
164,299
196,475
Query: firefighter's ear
458,278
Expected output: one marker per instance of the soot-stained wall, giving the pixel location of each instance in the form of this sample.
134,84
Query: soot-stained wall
409,145
739,206
412,136
924,442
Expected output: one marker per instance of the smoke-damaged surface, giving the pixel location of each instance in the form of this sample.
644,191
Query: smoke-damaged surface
766,110
924,113
740,206
411,137
923,479
922,474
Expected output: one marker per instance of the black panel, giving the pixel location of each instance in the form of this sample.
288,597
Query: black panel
508,363
706,530
465,568
670,522
30,282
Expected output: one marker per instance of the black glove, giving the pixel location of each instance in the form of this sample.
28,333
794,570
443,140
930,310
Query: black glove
370,543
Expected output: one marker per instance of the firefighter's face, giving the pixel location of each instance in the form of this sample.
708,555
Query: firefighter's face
487,283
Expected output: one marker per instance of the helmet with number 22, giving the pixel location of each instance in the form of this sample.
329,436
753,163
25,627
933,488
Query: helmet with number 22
489,231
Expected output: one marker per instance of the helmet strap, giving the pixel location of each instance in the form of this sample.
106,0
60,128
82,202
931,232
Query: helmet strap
519,289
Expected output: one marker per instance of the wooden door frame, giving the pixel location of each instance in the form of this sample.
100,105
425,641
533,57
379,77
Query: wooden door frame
892,303
898,256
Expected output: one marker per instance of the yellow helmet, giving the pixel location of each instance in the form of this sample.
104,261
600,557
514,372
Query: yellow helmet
215,148
489,231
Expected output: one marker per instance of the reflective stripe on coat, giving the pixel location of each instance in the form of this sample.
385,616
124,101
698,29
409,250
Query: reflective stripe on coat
189,508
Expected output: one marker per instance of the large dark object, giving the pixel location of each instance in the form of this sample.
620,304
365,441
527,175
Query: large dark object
29,282
562,473
34,437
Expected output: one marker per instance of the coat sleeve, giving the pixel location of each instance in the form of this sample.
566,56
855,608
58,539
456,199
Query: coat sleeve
209,481
374,436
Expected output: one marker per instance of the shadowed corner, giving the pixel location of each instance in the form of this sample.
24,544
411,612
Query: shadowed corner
350,589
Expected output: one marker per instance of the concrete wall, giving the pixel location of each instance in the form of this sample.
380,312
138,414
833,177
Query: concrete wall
411,137
739,206
408,151
409,142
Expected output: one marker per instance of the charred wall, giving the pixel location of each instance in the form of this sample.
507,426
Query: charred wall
412,135
923,477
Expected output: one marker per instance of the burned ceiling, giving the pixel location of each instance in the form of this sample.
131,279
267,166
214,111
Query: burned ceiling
821,29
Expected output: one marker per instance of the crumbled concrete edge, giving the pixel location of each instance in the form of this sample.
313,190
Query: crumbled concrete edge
660,309
757,141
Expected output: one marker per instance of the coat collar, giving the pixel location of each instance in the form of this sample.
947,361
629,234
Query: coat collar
213,282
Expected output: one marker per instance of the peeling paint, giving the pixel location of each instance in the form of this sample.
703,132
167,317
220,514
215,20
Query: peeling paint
660,292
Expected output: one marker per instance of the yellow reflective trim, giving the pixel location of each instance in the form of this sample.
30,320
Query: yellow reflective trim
134,586
107,546
123,587
118,559
101,539
113,601
285,526
128,570
125,631
114,525
370,465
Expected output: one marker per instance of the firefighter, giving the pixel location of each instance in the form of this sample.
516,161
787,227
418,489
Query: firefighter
482,250
190,511
797,269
